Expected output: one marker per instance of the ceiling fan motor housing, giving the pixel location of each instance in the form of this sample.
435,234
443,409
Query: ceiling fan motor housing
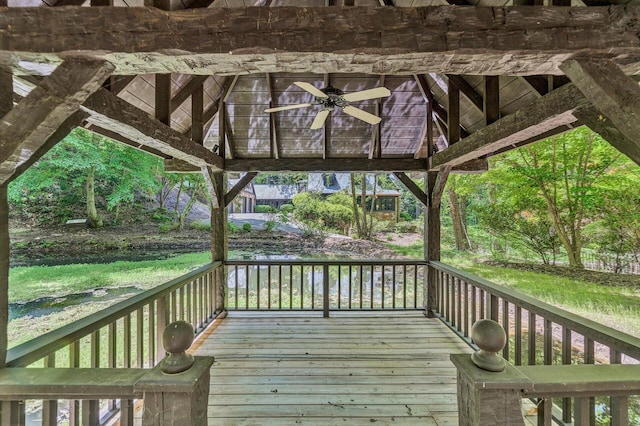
334,98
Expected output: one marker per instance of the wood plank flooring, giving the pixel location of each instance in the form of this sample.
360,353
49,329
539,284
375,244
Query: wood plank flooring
350,369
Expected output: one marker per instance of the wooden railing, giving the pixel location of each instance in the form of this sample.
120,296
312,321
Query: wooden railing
539,334
325,285
125,335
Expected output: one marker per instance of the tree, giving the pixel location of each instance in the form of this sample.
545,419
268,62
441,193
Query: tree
85,168
564,171
458,211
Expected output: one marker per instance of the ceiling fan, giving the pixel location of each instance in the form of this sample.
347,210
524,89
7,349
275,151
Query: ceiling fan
330,97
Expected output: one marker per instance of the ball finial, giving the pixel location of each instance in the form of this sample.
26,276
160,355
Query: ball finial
491,339
176,339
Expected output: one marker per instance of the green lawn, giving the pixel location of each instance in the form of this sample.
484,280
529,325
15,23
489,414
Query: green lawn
615,306
28,283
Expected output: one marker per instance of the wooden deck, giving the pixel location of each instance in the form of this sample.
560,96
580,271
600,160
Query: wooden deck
351,369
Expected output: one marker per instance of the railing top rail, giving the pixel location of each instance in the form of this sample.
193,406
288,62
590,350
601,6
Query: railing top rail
35,349
341,262
615,339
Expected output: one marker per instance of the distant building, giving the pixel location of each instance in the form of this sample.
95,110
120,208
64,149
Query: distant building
276,195
387,202
245,201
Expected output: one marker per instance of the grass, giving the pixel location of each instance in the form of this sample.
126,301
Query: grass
28,283
615,306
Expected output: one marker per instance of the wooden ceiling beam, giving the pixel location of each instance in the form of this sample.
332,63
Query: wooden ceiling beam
546,113
30,124
615,95
326,165
194,83
274,146
396,40
239,186
468,90
112,113
119,138
413,188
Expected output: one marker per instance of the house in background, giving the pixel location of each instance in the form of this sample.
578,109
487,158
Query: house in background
387,202
276,195
245,201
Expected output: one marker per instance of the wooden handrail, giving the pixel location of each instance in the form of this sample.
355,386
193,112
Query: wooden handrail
321,262
33,350
613,338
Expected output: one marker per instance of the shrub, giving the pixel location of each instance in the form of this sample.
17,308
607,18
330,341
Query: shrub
232,228
167,227
265,209
200,226
286,208
270,225
246,227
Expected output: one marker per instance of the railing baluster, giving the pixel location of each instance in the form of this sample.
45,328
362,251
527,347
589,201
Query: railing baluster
459,303
280,287
258,287
74,405
49,407
382,285
361,284
548,343
566,359
126,339
152,331
268,287
339,286
246,286
351,295
13,413
505,325
371,287
589,358
531,344
291,287
474,301
517,351
140,337
325,290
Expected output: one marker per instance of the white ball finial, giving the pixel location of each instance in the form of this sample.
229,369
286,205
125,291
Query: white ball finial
491,339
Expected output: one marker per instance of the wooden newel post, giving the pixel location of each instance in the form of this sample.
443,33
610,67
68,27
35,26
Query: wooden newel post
489,389
176,391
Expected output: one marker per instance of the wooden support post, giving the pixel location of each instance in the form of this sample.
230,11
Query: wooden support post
489,398
219,235
431,244
176,399
6,103
453,123
491,99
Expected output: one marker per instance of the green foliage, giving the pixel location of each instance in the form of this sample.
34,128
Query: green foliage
165,228
53,189
280,178
286,208
317,213
270,225
232,228
246,227
162,215
265,209
200,225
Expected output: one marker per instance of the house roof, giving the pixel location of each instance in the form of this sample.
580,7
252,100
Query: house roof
275,192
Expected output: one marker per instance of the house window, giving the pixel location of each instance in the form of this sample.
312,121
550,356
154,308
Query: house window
386,204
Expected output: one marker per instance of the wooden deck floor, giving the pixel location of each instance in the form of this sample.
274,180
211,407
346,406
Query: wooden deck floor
351,369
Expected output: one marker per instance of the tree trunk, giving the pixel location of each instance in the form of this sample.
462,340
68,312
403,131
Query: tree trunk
356,214
92,213
456,209
4,273
182,217
175,208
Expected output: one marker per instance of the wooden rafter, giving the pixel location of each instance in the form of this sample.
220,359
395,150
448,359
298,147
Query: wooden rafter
195,83
197,114
28,126
274,146
163,98
615,95
112,113
375,147
239,186
329,165
467,90
453,123
491,99
470,40
552,111
118,137
326,128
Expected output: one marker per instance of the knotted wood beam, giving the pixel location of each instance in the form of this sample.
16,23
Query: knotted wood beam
29,125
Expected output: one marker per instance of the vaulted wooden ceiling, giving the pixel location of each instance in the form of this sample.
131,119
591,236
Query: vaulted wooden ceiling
467,79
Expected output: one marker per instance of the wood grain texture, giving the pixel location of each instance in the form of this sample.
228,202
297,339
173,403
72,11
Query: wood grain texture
112,113
26,127
309,370
383,40
330,164
615,95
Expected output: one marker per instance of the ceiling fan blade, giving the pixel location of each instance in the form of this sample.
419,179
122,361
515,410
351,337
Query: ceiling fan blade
378,92
284,108
310,88
318,122
362,115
